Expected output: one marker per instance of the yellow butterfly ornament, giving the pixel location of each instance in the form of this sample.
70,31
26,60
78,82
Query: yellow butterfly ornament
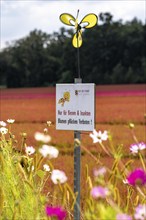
89,21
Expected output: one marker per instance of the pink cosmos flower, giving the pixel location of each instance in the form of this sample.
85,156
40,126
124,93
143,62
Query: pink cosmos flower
3,124
138,176
55,212
99,192
140,212
99,172
135,148
123,216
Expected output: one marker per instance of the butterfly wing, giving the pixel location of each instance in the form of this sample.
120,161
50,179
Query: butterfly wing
77,39
89,20
67,19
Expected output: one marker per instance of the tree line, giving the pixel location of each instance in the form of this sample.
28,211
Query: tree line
112,53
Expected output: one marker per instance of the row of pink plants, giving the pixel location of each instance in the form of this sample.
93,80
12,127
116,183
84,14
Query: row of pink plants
37,93
104,199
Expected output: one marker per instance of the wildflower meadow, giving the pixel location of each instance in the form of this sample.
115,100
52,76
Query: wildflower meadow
37,174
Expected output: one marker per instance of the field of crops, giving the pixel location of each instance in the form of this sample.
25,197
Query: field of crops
116,107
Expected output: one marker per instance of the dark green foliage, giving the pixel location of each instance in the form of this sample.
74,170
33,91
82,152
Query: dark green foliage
112,53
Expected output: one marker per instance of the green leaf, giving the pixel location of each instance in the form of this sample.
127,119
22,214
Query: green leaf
40,173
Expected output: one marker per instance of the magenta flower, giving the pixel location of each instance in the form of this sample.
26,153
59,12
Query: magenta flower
56,212
137,177
123,216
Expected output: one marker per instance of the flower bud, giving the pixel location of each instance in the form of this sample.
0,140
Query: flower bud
131,125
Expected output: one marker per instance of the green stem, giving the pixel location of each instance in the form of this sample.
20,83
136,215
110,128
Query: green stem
142,161
129,194
23,143
134,137
87,151
44,182
140,191
105,150
39,162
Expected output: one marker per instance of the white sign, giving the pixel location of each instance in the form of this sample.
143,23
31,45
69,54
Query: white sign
75,107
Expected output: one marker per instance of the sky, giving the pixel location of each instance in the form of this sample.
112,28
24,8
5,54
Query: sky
19,17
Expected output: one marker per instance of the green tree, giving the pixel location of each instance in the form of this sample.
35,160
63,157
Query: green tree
112,52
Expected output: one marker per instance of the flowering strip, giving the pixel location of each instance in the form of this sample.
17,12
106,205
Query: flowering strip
55,212
31,168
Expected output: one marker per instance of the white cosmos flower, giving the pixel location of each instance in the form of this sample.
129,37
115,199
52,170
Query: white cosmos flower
45,130
135,148
31,168
42,137
10,121
50,151
49,123
46,167
29,150
99,136
58,176
125,181
3,124
3,130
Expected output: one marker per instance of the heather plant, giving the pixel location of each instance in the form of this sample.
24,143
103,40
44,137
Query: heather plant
26,170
